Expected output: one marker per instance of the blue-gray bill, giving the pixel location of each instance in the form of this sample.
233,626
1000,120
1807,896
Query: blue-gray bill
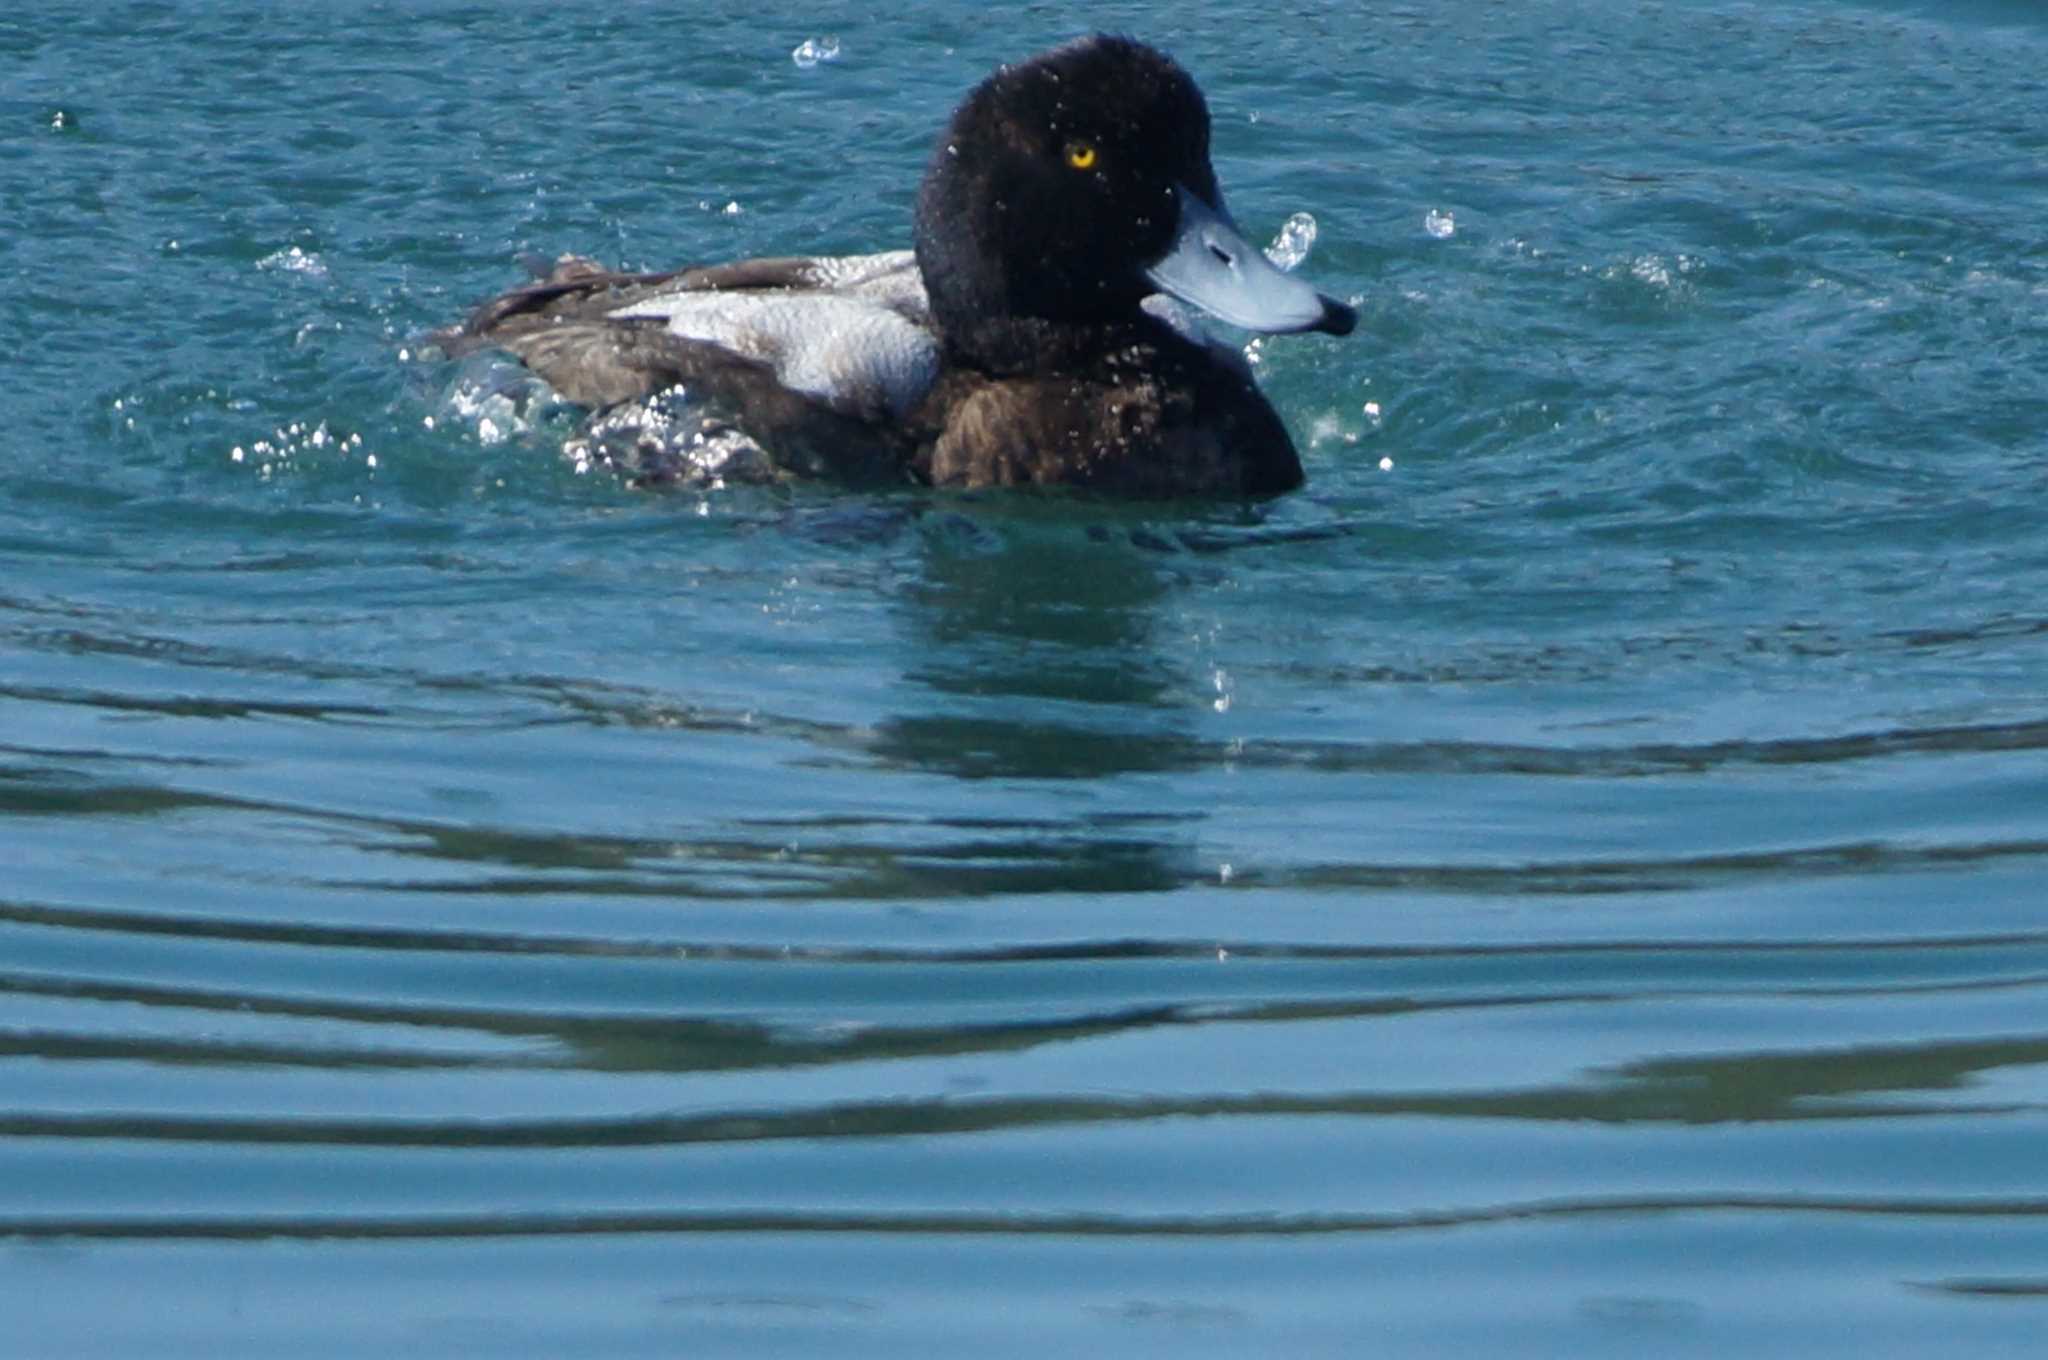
1212,266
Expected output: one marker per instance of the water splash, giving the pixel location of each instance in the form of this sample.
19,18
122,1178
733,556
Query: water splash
295,261
495,399
811,51
1440,224
669,440
1651,269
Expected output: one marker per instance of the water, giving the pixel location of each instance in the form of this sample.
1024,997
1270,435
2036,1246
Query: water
1567,882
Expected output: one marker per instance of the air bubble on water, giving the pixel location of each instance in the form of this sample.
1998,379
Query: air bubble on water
1441,225
1297,237
289,444
811,51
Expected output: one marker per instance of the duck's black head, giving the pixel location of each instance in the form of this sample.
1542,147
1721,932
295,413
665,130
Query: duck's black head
1068,187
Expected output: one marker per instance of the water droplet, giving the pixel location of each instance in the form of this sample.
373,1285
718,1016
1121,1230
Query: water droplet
1297,236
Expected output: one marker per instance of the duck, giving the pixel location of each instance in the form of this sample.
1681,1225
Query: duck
1039,332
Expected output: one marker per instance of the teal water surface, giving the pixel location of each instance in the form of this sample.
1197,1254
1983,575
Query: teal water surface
1568,882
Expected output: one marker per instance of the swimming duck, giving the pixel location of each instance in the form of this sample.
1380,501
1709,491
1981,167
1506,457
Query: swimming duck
1023,341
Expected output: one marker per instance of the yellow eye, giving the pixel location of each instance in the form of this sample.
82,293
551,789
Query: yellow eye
1081,155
